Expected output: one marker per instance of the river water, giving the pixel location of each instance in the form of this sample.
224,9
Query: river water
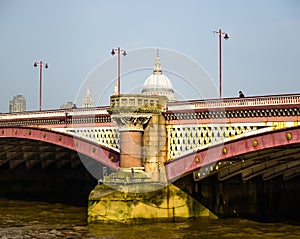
31,219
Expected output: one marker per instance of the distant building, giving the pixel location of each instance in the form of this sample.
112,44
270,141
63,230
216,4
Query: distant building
88,101
158,83
68,105
17,104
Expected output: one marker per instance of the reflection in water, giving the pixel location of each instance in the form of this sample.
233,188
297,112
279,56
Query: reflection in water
25,219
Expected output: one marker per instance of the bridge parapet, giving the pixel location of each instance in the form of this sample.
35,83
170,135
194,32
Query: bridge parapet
58,118
53,113
273,100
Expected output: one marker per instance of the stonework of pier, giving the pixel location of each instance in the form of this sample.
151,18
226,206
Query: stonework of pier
143,203
141,195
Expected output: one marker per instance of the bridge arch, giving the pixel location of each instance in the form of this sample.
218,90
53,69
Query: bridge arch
103,155
265,142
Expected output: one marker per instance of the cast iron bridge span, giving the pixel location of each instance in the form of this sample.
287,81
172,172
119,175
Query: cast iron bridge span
248,138
235,127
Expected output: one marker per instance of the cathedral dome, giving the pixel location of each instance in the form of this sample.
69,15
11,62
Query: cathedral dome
157,83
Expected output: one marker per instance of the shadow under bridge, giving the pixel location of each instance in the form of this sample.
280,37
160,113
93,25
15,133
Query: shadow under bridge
47,165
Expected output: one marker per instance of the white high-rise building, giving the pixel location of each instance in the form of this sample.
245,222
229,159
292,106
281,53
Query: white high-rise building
17,104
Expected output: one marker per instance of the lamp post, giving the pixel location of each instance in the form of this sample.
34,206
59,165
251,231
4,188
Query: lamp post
124,53
41,64
226,37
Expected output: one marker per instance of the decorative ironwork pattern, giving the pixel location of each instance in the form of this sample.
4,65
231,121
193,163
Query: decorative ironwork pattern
106,136
233,114
186,138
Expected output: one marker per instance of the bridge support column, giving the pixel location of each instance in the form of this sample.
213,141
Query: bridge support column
139,192
131,128
155,148
131,144
132,113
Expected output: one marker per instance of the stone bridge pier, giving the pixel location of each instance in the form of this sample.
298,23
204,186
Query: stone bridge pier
142,130
139,191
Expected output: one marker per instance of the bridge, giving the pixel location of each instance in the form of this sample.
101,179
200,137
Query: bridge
248,148
241,130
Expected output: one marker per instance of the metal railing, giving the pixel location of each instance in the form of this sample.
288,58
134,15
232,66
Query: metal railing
54,113
171,106
235,102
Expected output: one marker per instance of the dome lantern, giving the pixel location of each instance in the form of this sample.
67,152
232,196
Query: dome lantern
157,66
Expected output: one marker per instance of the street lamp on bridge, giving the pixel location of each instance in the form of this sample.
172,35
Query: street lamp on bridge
124,53
226,37
41,64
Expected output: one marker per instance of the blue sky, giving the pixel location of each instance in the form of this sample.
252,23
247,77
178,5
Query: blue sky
75,37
